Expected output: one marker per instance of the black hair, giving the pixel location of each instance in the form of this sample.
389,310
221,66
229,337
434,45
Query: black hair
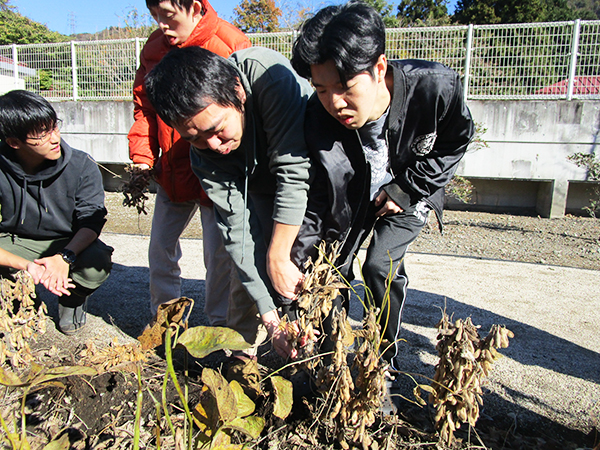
351,35
189,79
23,113
185,5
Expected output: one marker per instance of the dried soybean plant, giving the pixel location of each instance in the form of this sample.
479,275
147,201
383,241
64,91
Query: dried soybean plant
114,357
21,321
465,360
320,287
355,400
135,189
351,394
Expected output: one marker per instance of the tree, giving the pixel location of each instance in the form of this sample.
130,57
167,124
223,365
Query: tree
18,29
385,9
423,12
586,9
512,11
253,16
294,13
4,6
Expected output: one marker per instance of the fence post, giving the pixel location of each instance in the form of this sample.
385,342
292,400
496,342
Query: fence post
15,64
468,62
137,52
74,67
573,62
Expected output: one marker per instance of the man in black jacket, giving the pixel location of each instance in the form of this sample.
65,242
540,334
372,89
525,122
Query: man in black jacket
387,136
52,207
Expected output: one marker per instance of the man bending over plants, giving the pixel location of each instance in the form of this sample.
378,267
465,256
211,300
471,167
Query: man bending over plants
386,137
244,119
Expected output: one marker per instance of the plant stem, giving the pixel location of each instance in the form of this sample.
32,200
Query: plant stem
171,372
138,411
164,404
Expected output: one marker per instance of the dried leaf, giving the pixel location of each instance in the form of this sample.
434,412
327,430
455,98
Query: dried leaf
61,443
284,399
60,372
223,394
10,379
245,406
168,313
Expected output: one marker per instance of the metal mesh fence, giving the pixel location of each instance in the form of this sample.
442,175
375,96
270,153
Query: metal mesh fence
281,42
547,60
442,44
519,61
106,69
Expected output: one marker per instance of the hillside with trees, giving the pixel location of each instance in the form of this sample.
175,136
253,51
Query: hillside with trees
270,15
18,29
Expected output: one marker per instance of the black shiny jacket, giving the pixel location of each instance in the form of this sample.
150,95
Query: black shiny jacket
429,127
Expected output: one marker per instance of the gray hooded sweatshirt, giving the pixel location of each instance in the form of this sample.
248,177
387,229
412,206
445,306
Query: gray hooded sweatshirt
58,200
271,167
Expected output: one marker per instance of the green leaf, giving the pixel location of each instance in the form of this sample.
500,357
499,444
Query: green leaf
202,341
252,425
284,398
10,379
61,443
245,406
223,394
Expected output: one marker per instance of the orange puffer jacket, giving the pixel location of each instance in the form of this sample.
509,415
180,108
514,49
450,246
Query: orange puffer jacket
153,142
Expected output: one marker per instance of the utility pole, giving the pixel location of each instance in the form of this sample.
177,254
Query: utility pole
72,22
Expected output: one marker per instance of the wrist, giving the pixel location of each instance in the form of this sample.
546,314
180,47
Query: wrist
67,256
271,321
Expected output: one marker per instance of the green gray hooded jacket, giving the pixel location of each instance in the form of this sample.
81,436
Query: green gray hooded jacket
271,164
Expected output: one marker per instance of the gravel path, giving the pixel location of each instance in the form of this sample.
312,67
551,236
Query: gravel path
568,241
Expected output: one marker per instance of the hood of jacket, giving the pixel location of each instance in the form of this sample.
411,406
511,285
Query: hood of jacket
23,193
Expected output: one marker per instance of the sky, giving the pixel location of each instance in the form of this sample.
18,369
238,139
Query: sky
90,16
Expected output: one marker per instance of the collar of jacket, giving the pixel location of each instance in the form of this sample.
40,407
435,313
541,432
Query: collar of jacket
397,109
206,28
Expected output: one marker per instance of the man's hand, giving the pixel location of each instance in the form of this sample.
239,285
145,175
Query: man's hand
141,166
279,335
36,271
388,206
285,277
56,275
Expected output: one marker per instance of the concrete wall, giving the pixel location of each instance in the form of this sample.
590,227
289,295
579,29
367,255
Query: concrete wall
531,140
524,168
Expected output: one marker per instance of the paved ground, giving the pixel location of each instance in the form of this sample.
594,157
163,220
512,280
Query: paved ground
551,372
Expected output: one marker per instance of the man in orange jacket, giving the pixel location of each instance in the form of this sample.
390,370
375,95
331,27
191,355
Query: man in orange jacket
153,144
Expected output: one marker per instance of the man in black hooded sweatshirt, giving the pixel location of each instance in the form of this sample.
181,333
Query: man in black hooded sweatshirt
52,207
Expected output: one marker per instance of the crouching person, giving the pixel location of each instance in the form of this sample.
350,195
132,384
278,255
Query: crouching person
244,118
52,207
